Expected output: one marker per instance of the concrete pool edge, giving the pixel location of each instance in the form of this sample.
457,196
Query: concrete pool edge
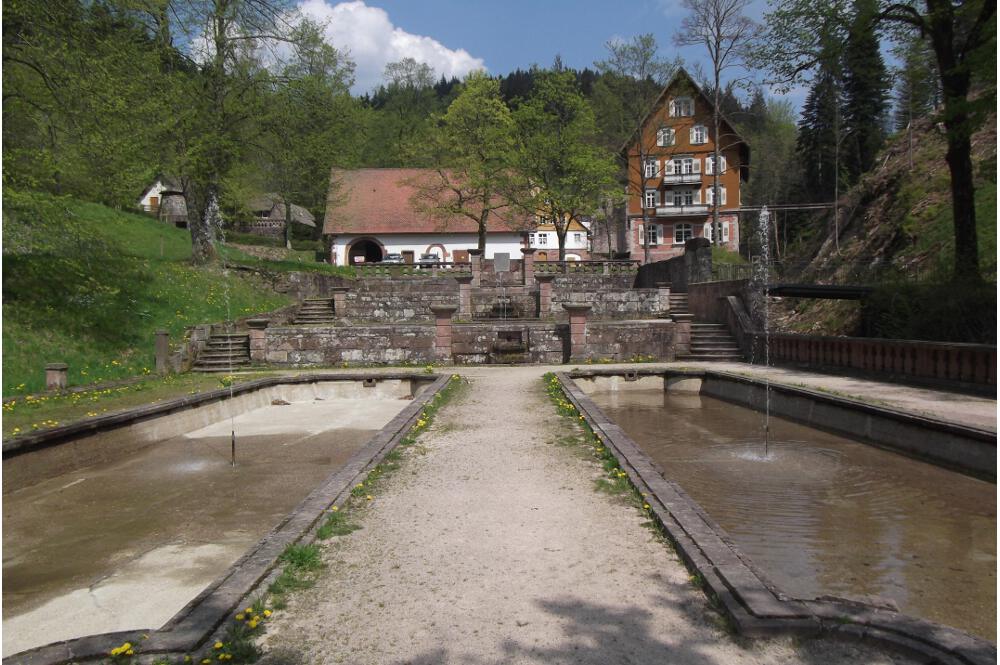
753,604
194,625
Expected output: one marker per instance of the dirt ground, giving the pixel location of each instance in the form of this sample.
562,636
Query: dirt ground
491,545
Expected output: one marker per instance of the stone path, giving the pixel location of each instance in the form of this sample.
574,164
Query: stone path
492,546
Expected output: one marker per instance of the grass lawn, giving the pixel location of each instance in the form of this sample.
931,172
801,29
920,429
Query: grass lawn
88,285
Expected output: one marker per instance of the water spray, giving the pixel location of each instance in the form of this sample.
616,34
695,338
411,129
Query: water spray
764,236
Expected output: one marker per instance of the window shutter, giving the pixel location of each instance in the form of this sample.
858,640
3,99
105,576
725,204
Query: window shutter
669,166
697,197
668,198
670,105
708,165
722,162
696,168
722,195
691,136
659,234
725,232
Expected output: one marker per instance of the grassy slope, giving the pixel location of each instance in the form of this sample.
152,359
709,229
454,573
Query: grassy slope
88,285
900,217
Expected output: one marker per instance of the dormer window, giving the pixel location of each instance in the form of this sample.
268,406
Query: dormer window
664,137
681,107
699,135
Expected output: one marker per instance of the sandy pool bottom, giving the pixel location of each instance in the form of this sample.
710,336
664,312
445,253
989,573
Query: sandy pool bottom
125,545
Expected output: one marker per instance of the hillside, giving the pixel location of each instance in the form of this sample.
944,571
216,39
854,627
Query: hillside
88,285
896,228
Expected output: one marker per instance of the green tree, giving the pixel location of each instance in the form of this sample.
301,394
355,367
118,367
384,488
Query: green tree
963,38
471,146
819,134
561,172
726,33
916,91
307,123
865,82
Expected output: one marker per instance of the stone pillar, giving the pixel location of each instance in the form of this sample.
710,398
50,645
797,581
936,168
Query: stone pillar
577,329
339,300
258,339
442,331
464,296
544,294
55,376
161,351
682,333
476,259
664,289
528,265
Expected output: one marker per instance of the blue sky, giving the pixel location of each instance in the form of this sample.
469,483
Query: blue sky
455,36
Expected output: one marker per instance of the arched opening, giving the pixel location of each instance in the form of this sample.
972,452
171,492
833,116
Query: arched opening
364,250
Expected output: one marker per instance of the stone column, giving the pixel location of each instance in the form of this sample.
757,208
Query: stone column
664,289
464,296
258,339
577,329
476,259
339,300
528,265
161,351
55,376
682,333
544,294
442,331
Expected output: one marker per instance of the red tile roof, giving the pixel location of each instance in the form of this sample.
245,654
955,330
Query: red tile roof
369,201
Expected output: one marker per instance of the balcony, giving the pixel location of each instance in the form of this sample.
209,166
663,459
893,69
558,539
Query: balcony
682,179
681,211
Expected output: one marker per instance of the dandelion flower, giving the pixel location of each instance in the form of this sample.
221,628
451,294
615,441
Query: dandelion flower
240,616
267,613
217,645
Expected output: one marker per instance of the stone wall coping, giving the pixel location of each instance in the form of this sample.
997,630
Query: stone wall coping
475,252
528,250
752,602
577,308
206,615
464,278
56,366
442,310
258,324
926,344
339,289
682,317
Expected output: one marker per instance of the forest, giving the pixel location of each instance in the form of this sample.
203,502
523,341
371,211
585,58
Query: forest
242,96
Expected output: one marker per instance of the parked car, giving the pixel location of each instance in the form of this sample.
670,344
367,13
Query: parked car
428,259
393,258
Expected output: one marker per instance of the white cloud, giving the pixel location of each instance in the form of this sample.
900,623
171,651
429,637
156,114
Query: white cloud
373,41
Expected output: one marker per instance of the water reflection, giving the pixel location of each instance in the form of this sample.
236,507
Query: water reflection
823,515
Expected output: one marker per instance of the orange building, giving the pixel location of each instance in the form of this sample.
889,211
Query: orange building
671,169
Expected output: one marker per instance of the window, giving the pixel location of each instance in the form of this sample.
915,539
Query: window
682,233
699,135
710,196
652,168
682,106
531,240
654,235
683,197
578,238
710,164
652,198
543,238
687,165
664,136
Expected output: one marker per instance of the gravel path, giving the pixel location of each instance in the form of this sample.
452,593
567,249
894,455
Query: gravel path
491,545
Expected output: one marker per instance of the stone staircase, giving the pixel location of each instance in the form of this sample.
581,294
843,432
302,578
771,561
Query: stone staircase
712,341
679,303
315,311
224,352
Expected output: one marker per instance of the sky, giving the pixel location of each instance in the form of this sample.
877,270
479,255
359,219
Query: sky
457,36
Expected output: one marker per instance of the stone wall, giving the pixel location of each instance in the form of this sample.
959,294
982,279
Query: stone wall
334,345
695,265
524,300
707,300
621,341
302,285
590,282
397,300
475,344
609,303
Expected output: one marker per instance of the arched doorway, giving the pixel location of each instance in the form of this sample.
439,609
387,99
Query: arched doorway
364,250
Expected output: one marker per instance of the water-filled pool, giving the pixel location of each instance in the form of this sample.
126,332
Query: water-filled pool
126,543
823,515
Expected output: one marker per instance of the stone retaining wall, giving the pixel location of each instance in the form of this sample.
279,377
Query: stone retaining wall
397,300
327,346
474,344
609,303
631,340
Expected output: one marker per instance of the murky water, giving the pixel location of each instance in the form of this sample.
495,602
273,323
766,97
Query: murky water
823,515
126,544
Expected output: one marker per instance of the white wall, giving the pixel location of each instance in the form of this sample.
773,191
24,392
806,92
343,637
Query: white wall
552,240
157,191
423,243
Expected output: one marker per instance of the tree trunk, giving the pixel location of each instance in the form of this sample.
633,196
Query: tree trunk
963,206
483,217
202,225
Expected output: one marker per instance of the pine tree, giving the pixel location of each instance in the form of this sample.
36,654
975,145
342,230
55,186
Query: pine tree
865,86
916,92
819,128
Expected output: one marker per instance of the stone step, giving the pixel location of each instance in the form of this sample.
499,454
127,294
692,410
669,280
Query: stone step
711,357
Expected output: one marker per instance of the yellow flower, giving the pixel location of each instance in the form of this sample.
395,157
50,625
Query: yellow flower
206,661
267,613
187,659
334,509
369,497
130,652
240,616
645,506
217,645
249,610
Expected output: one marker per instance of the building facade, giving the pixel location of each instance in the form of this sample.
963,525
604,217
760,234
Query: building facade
671,198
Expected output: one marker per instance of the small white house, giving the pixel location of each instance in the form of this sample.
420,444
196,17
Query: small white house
152,197
374,216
